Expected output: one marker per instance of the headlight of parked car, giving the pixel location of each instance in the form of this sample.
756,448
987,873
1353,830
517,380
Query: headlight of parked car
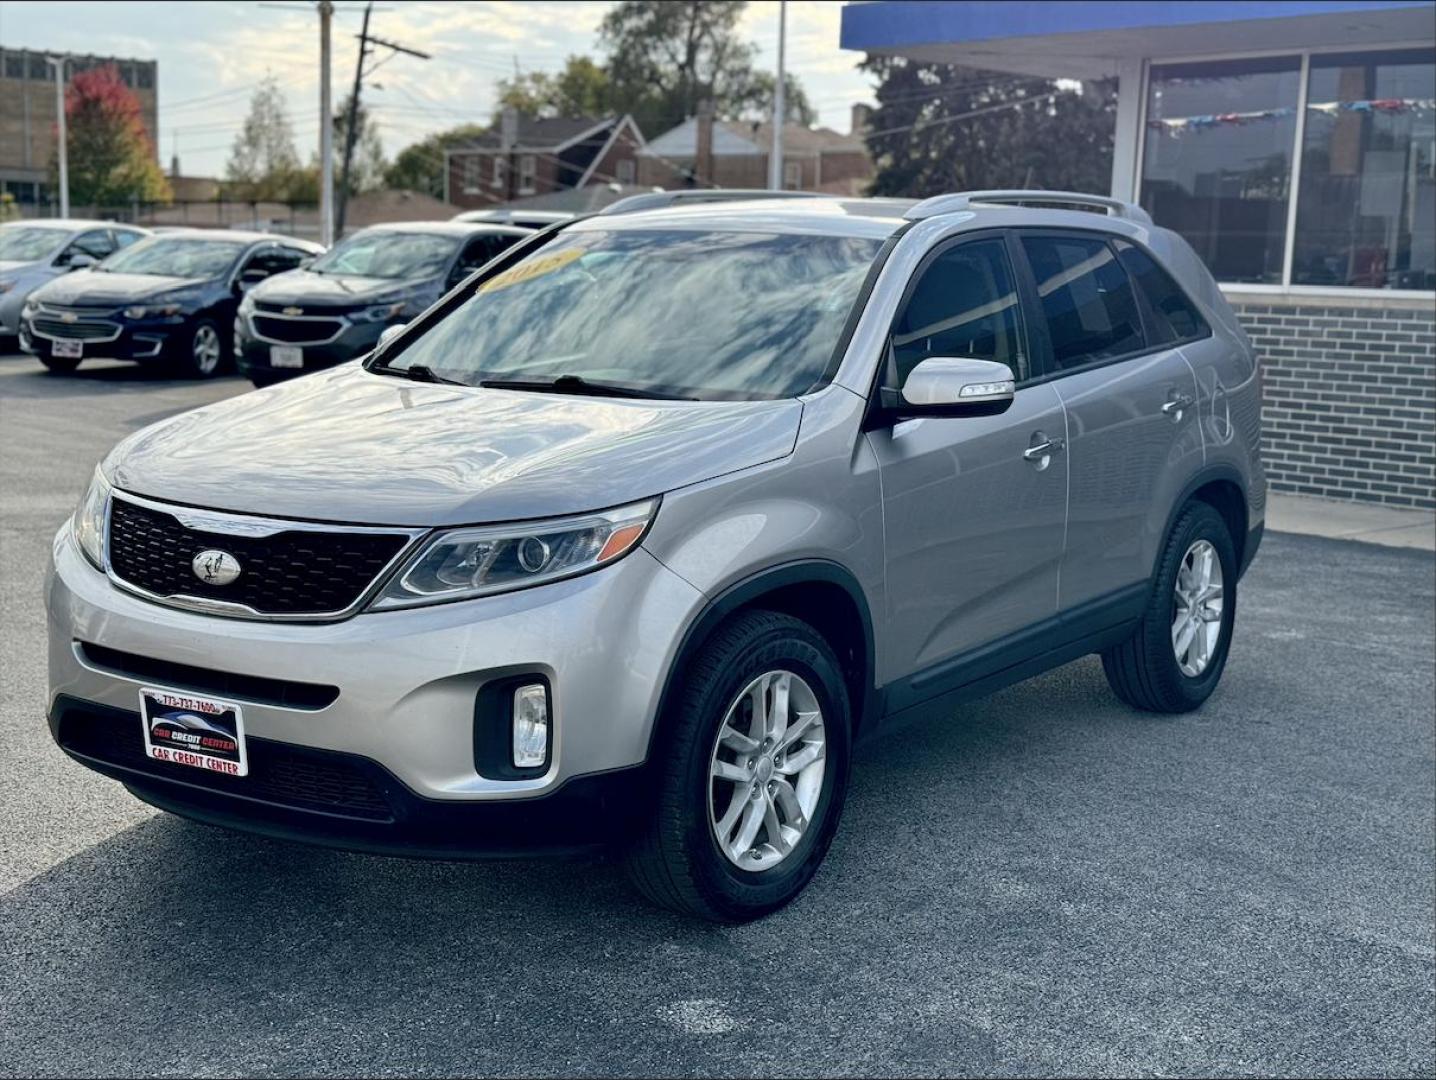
88,524
172,304
463,563
380,312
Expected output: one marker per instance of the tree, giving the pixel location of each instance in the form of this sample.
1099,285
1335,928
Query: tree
420,166
667,56
757,102
110,156
582,88
367,166
262,161
943,128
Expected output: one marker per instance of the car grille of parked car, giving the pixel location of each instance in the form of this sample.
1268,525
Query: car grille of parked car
296,572
279,773
78,325
293,330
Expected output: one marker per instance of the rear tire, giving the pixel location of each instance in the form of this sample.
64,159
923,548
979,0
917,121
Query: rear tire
677,861
203,354
1147,671
60,365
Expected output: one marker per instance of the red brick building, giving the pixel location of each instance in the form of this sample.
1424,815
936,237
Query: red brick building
526,156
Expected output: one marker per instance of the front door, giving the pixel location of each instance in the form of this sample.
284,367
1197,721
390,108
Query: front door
973,507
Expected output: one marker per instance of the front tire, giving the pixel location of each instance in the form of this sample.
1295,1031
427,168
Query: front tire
202,355
751,774
1175,658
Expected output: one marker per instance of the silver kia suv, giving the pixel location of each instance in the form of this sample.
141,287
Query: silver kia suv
628,538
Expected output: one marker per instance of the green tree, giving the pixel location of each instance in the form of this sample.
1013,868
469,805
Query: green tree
757,102
664,57
262,161
943,128
420,166
581,88
110,157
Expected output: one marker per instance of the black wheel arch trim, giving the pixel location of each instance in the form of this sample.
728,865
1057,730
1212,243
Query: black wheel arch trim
742,594
1246,544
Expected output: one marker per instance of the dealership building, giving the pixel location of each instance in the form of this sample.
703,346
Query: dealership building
1293,144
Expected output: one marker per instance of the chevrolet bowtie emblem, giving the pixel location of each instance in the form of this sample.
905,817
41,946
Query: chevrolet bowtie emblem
69,316
294,311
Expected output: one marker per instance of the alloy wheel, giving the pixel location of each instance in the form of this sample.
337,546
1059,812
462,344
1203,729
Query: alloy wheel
206,350
1197,611
766,770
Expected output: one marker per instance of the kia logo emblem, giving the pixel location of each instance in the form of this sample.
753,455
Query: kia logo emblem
215,567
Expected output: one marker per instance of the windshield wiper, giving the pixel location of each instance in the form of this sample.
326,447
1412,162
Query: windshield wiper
577,384
416,373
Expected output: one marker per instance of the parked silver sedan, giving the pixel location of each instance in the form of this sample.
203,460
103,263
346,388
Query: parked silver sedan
33,252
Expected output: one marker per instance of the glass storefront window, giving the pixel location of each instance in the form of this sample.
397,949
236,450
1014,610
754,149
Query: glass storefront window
1366,211
1216,164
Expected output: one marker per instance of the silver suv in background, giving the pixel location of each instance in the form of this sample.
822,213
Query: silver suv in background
629,537
35,251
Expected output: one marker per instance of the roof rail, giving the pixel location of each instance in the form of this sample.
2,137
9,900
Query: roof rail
963,200
653,200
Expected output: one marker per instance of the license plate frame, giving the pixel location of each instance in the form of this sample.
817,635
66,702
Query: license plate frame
193,730
286,356
67,348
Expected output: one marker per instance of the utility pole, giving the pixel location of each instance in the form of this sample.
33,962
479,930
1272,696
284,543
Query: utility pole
350,131
326,129
63,150
775,156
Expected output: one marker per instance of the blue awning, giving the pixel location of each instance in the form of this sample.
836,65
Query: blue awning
1076,38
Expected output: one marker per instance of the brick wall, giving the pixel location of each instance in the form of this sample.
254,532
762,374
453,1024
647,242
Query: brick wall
1349,397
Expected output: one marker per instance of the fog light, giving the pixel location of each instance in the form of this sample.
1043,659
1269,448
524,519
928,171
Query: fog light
530,725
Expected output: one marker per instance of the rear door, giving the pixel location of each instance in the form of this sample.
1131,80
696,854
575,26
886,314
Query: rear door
973,517
1130,399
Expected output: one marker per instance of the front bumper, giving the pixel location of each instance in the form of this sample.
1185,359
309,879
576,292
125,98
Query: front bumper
138,341
253,356
403,711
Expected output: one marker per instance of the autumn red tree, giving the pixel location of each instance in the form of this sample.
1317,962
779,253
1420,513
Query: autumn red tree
111,157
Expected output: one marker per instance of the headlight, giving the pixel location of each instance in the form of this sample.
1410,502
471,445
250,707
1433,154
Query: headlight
88,524
380,312
246,303
464,563
139,311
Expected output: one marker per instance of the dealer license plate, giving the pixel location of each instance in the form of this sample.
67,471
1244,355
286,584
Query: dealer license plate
62,347
196,731
286,356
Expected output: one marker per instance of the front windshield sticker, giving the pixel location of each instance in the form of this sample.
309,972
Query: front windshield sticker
527,271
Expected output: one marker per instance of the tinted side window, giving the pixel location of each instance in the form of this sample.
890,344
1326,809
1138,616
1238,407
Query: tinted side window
273,260
964,304
124,238
1086,299
1173,316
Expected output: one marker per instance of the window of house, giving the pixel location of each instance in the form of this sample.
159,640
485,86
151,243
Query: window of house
470,176
625,171
528,173
1217,161
792,175
1086,299
1366,211
964,305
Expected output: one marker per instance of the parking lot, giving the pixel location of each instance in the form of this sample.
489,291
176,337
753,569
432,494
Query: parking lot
1048,884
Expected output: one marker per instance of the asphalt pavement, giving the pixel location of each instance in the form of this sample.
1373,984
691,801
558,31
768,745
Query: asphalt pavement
1049,883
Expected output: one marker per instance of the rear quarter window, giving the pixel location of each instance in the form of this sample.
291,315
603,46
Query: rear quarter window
1173,316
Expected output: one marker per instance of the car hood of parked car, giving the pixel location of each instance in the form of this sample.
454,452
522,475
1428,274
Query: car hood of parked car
88,287
353,446
306,287
11,264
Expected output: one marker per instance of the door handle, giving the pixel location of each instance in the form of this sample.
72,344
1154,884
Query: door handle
1041,451
1176,405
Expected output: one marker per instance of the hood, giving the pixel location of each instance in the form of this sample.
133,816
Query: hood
347,445
10,264
305,287
88,287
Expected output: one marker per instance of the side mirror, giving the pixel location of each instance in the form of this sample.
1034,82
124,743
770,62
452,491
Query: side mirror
389,333
953,386
248,279
77,260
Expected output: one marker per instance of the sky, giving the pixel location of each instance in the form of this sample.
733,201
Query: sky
211,53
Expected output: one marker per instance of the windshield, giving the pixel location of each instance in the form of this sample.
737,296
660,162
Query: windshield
176,256
386,254
26,243
687,313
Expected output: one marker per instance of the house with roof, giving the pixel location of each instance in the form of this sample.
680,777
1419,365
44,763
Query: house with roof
523,156
703,152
